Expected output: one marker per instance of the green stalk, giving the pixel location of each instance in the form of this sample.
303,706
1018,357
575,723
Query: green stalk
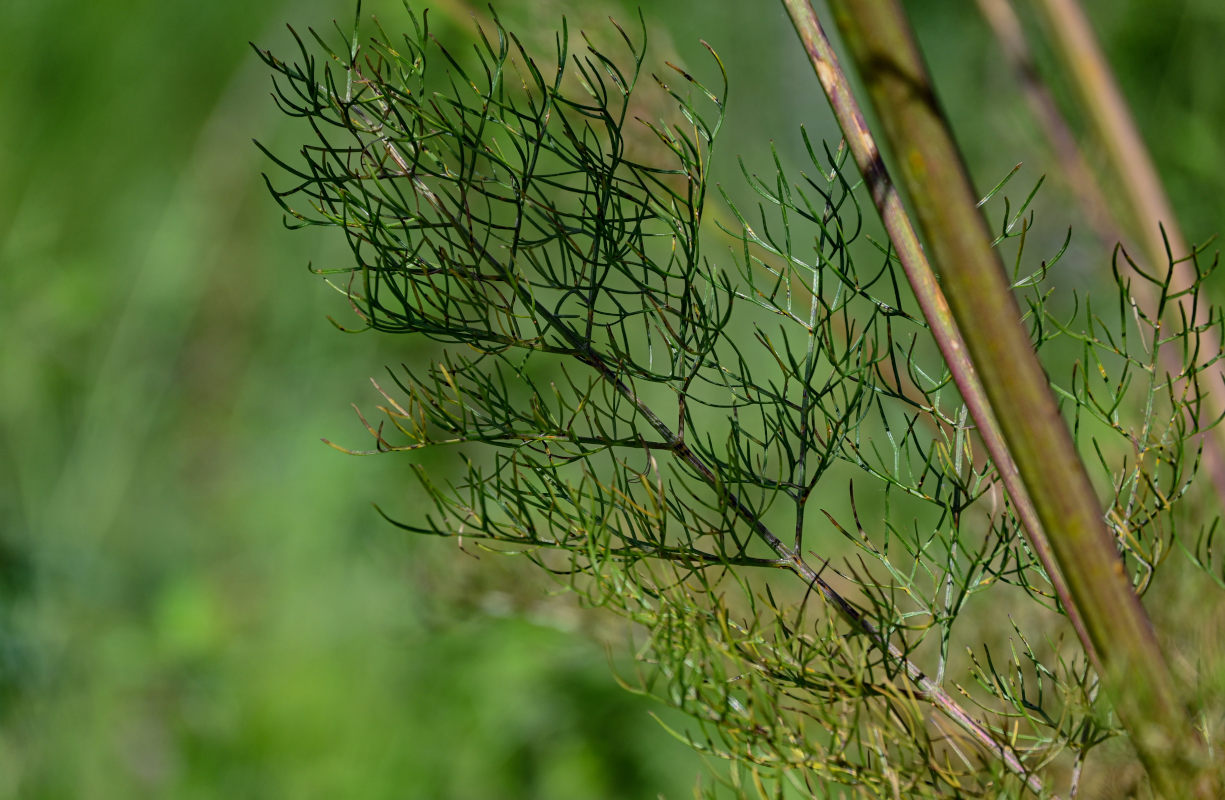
1074,170
939,318
1133,670
923,282
1143,196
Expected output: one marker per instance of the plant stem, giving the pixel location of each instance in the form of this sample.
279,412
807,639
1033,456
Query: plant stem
1147,203
1074,169
923,282
1145,198
1133,669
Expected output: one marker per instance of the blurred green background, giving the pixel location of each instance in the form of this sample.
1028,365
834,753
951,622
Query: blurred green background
196,598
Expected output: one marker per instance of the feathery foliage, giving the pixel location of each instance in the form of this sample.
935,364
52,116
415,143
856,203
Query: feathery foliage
685,411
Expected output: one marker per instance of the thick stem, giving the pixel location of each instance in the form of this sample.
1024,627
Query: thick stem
1133,669
923,282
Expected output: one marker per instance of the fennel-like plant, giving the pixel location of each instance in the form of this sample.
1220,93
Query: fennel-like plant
739,425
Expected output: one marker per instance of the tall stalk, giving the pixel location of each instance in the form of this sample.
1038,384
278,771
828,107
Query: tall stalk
924,284
1074,169
1146,204
1134,672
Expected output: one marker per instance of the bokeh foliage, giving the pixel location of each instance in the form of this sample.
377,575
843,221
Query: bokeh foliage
199,597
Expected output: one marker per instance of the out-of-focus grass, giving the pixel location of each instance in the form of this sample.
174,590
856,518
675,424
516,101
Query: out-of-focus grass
198,599
195,596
